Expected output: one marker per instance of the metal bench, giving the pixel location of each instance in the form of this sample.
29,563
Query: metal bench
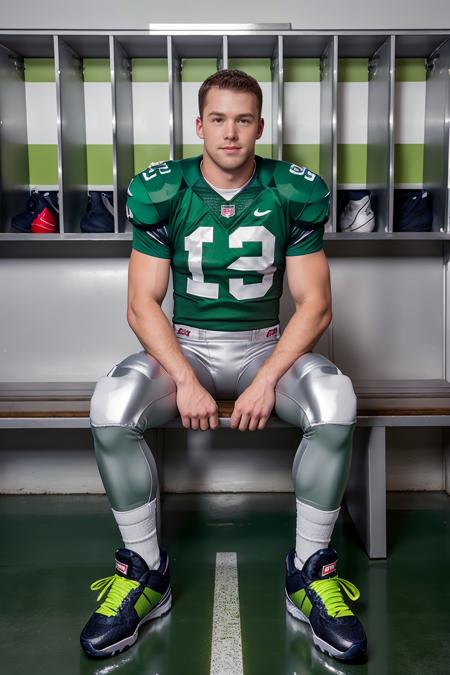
380,405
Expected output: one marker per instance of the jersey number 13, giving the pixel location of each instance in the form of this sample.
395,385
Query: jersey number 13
196,285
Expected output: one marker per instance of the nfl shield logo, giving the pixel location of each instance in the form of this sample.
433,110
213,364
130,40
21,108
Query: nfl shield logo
227,210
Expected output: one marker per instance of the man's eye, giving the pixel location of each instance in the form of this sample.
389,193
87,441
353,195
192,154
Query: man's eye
245,121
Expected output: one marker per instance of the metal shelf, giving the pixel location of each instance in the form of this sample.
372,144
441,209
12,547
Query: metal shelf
68,48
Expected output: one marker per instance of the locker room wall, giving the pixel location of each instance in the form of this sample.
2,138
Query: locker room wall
302,14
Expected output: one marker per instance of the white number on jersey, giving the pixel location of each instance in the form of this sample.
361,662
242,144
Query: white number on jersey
301,171
262,263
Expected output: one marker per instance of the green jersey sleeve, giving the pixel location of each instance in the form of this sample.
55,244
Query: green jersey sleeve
153,242
149,206
151,192
309,203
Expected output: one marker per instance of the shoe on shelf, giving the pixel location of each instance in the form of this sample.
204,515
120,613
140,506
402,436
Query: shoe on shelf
314,595
130,597
412,211
99,216
40,215
357,215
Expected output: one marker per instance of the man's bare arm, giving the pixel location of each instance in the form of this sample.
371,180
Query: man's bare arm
309,283
148,278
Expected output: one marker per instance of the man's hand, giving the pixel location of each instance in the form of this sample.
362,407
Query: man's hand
197,407
253,407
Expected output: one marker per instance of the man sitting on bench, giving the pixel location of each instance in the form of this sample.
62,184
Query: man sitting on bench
228,223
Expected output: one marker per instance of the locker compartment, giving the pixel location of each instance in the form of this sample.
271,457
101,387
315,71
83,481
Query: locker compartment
262,57
421,133
140,111
364,133
309,128
84,121
28,130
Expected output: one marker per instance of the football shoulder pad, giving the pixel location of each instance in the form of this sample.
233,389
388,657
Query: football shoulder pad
151,192
305,191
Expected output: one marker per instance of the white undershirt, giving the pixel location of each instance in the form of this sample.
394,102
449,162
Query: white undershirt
228,193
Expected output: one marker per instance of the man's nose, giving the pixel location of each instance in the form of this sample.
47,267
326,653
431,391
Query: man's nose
230,129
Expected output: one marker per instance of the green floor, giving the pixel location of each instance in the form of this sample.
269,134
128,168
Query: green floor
53,547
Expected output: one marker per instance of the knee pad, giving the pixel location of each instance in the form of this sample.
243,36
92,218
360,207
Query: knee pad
324,394
136,393
321,465
126,466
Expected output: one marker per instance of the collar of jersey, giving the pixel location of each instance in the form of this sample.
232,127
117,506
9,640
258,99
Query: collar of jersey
194,176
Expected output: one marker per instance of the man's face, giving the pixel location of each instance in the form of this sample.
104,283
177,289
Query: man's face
229,127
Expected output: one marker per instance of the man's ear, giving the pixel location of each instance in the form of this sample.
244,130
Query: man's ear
260,128
199,127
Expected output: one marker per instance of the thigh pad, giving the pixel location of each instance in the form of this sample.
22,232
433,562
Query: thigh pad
325,395
136,393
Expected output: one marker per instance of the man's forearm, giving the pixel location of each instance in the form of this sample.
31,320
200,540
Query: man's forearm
299,337
155,333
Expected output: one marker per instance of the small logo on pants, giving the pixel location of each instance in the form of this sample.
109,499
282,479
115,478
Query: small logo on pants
183,331
271,332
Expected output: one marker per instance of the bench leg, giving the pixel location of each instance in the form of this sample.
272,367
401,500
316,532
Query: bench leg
446,434
366,488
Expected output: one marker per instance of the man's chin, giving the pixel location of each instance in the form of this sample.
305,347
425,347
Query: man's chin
232,161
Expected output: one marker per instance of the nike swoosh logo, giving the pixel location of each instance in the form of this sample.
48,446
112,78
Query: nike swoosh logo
262,213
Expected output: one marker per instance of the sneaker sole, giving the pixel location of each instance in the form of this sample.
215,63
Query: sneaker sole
160,610
365,226
354,652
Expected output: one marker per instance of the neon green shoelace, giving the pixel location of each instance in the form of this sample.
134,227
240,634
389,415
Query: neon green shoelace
117,588
329,591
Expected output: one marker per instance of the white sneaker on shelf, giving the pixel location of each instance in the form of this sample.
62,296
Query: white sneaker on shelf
357,216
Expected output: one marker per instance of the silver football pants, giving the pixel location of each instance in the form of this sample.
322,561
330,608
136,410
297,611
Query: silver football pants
138,394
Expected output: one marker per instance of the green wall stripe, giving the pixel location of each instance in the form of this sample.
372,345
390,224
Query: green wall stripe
43,164
192,149
351,160
353,70
39,70
99,164
197,70
145,154
410,70
408,166
258,68
149,70
303,154
301,70
351,163
96,70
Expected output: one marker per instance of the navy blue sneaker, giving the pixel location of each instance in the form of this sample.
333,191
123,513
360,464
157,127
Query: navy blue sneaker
131,596
314,595
99,216
412,211
35,205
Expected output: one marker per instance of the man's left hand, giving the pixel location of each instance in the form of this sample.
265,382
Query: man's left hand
253,407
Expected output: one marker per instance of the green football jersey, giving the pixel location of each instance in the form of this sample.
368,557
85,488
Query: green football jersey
227,256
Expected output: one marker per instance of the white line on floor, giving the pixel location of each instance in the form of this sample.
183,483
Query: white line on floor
226,648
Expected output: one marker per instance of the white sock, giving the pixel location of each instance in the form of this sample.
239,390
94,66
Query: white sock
313,531
138,530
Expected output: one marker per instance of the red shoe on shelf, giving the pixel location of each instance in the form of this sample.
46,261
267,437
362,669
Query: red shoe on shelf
45,222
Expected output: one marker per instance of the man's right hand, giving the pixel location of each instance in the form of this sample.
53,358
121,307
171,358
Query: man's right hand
197,407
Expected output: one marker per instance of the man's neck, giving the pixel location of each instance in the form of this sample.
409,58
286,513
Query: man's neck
226,179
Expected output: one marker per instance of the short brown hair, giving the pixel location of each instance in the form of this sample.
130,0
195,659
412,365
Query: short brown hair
230,79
